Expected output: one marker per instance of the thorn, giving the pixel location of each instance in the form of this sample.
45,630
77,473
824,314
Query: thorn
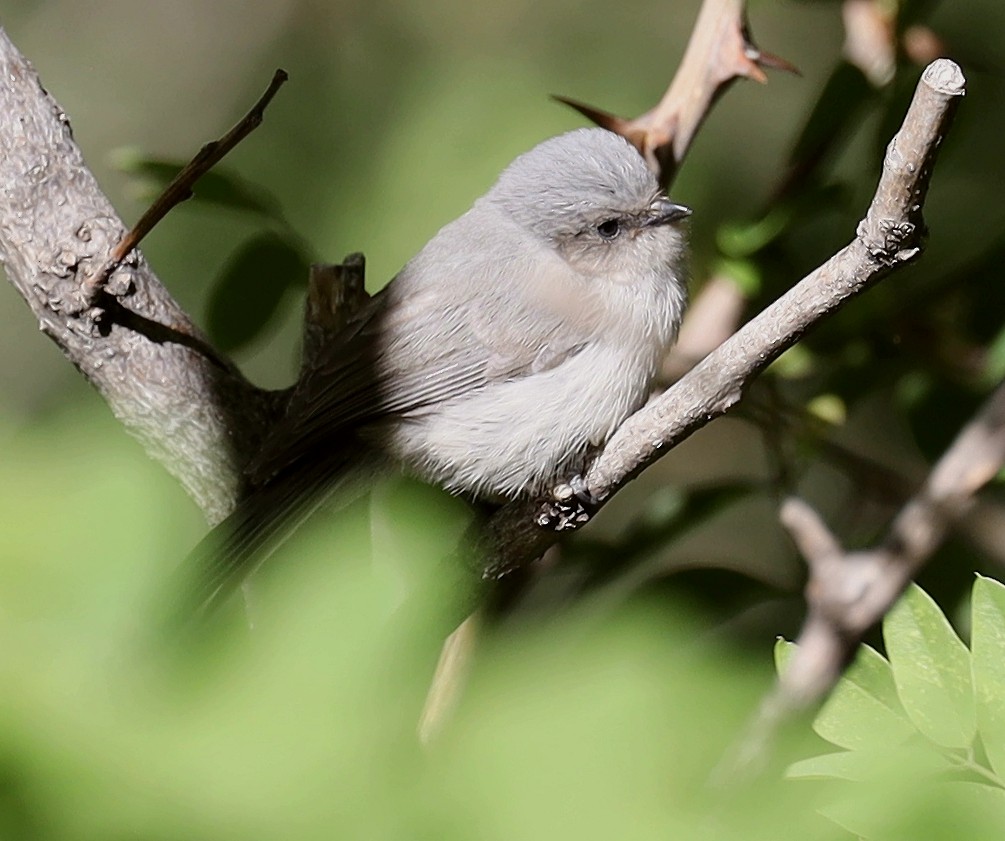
750,68
757,58
774,62
604,119
628,129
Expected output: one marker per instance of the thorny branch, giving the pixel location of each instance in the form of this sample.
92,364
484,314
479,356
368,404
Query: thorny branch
719,51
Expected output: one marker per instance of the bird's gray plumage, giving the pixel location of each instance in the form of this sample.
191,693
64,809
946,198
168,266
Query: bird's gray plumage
516,340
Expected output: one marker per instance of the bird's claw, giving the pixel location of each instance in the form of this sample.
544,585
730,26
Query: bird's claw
570,506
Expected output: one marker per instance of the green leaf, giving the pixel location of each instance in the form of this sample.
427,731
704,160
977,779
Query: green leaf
931,667
863,711
250,287
843,765
739,240
872,764
784,649
988,660
216,186
836,112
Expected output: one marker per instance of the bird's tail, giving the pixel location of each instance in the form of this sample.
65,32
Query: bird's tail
262,521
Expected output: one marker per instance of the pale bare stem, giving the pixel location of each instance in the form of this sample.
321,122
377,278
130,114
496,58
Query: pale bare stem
812,537
848,592
719,51
891,235
870,38
449,678
974,459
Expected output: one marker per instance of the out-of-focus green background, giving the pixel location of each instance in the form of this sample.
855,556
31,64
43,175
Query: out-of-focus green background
607,724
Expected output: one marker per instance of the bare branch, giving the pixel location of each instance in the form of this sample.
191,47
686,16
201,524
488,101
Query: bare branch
189,406
870,38
719,51
449,678
811,535
847,593
891,235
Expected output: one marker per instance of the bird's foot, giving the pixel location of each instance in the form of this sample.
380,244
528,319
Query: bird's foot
570,505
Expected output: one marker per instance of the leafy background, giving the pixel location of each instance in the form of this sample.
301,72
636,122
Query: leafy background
602,705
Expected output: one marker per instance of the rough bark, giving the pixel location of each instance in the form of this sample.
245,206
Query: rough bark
189,406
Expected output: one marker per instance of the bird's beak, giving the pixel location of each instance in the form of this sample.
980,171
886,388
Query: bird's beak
663,211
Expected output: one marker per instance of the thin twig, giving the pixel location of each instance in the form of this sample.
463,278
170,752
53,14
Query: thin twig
181,186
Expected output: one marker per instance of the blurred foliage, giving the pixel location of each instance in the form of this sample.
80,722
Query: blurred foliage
935,707
592,724
601,704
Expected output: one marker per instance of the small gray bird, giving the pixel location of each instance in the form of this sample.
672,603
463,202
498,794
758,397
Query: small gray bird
511,346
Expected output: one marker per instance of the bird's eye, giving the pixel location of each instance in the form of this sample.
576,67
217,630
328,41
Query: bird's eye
609,229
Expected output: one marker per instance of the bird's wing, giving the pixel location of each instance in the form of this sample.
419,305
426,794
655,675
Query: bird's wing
408,352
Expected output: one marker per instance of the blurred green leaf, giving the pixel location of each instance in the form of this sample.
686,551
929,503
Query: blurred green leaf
988,653
994,365
913,387
931,668
251,285
744,239
795,363
217,186
836,111
829,408
985,802
899,806
746,274
579,727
